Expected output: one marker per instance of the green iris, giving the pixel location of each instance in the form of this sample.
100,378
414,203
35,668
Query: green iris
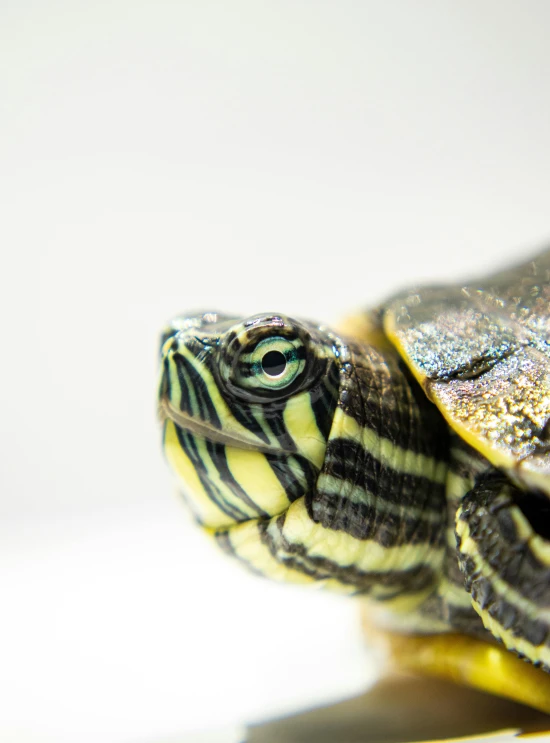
275,362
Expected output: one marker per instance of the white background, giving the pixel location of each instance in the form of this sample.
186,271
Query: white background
307,157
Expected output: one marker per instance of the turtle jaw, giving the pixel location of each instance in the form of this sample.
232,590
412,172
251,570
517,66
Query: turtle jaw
166,411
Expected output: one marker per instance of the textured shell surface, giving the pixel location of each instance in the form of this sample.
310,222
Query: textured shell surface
482,353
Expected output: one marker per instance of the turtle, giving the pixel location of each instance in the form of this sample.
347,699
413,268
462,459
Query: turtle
402,458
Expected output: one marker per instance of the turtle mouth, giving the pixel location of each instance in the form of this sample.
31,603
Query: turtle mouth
199,428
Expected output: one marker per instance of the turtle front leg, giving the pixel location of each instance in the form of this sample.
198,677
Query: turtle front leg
505,560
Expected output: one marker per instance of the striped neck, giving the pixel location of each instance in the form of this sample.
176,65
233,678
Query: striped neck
383,480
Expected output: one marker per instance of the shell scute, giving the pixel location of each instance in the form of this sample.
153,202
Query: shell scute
482,353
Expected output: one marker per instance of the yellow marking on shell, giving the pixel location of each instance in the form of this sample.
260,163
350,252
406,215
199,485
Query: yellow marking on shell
473,662
254,474
300,423
497,457
345,550
203,506
501,424
535,480
402,460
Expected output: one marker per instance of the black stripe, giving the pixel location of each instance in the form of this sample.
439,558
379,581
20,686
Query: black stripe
207,412
507,615
486,510
294,486
274,417
185,399
460,618
166,384
218,455
323,401
246,417
376,392
187,443
224,543
296,556
363,521
349,460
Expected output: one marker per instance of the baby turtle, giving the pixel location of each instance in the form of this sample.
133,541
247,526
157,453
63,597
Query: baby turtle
404,459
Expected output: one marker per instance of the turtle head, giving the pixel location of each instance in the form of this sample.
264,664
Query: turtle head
247,406
290,445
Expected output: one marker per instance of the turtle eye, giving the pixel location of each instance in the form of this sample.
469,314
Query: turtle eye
274,363
268,357
269,366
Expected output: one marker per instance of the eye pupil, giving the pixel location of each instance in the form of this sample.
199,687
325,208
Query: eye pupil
274,363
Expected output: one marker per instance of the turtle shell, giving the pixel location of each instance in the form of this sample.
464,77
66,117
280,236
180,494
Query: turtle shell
481,351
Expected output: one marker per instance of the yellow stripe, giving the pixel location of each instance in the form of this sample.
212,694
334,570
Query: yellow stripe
229,424
300,423
533,652
469,547
407,621
204,508
393,456
538,546
192,397
451,538
347,489
249,468
541,549
245,540
345,550
254,474
457,486
453,593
